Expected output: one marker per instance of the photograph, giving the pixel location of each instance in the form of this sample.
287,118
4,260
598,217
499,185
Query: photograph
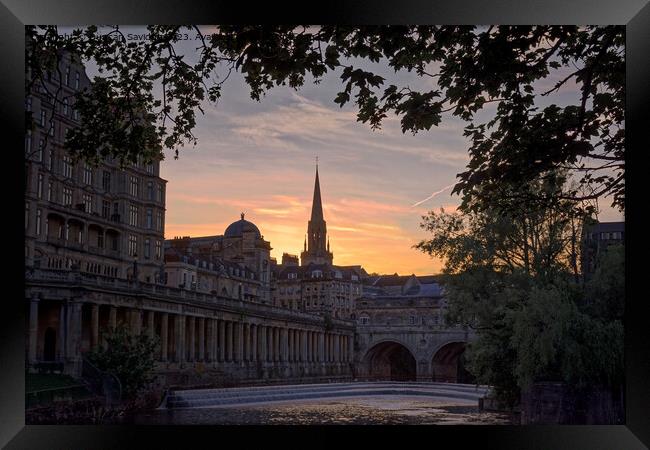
324,225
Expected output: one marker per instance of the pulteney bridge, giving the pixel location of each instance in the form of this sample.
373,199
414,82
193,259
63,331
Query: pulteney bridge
404,338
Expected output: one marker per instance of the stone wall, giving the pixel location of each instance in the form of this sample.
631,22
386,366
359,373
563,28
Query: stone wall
559,403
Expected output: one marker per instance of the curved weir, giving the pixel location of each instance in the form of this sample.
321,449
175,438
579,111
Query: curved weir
207,398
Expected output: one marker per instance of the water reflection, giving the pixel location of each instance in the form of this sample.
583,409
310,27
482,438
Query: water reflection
383,410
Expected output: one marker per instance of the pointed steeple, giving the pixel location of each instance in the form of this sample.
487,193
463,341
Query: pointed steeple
317,245
316,205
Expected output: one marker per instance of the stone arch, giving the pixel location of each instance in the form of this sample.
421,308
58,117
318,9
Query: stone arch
447,363
389,360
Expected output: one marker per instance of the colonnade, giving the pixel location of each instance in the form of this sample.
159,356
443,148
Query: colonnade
186,338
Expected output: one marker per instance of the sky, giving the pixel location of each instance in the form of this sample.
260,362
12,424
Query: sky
259,158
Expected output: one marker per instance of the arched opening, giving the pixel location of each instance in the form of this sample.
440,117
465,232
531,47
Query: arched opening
49,345
390,361
449,364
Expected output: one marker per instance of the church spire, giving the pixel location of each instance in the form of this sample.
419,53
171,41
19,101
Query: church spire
317,245
316,205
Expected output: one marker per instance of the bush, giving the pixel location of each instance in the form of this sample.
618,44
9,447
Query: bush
130,357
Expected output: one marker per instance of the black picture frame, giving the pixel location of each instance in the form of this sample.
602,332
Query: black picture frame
14,14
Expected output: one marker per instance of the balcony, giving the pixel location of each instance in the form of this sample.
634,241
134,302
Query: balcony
96,250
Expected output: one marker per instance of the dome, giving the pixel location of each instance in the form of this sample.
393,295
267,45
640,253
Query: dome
237,229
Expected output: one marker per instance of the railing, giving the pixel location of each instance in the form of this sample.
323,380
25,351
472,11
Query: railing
198,298
101,383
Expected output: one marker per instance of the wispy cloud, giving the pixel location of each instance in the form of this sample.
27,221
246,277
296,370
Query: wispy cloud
433,195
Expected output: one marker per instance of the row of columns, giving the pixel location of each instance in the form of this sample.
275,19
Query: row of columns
186,338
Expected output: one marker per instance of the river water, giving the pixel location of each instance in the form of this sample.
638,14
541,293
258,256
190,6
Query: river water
366,410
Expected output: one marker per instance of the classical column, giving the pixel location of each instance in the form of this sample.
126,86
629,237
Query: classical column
276,344
239,341
201,324
151,330
112,317
192,337
290,344
262,343
62,331
229,345
209,340
284,340
303,356
247,342
253,342
179,332
73,340
321,347
222,341
296,345
94,325
164,330
33,328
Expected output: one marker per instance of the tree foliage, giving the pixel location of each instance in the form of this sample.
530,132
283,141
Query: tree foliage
130,357
511,274
155,92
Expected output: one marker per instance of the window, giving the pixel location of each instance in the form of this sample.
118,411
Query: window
76,80
39,154
50,159
42,119
133,245
67,166
28,103
65,107
67,76
26,215
293,276
106,181
317,274
75,114
364,320
50,194
38,222
158,250
100,240
159,221
88,174
39,186
150,168
412,320
88,203
28,142
160,193
106,208
67,196
51,129
150,191
147,249
149,219
134,186
133,215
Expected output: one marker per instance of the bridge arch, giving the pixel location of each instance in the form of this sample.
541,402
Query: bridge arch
389,360
448,363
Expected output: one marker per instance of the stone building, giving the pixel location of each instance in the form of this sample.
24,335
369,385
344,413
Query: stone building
95,257
105,220
241,244
318,288
596,238
401,333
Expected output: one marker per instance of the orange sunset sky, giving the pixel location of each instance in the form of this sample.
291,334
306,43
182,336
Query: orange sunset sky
259,158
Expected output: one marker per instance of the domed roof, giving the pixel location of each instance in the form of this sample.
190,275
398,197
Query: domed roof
237,229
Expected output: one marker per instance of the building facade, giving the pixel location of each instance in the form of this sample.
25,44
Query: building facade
96,258
596,239
105,220
401,332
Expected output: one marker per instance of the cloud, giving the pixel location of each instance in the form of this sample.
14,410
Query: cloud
433,195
